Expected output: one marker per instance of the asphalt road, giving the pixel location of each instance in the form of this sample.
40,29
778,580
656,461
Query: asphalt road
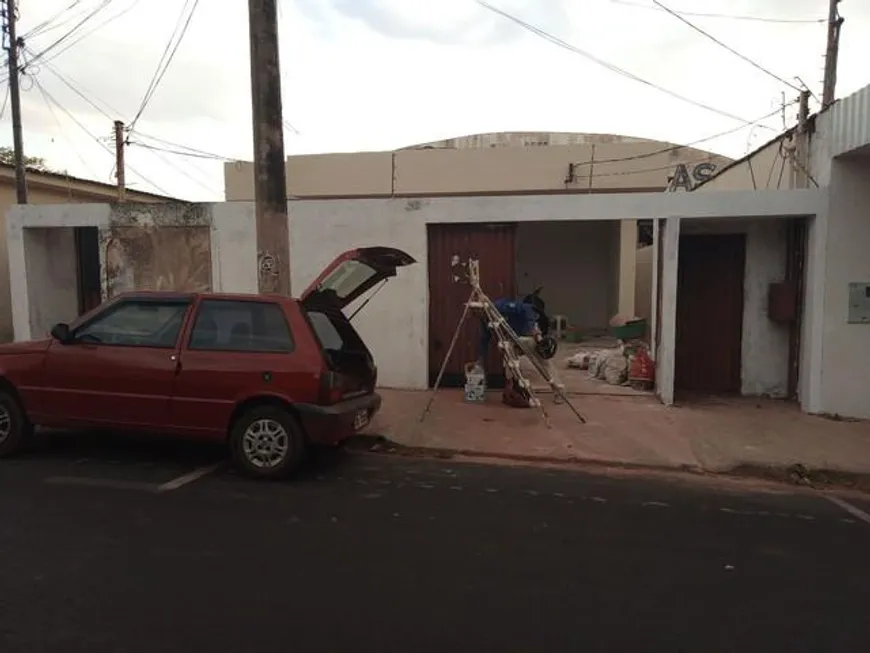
103,549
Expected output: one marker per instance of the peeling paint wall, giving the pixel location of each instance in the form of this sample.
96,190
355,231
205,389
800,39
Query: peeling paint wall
157,247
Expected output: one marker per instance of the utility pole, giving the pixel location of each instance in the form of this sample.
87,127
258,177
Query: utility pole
270,182
15,100
802,141
120,170
835,22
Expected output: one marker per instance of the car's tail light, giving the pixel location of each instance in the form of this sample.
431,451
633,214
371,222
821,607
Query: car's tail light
331,390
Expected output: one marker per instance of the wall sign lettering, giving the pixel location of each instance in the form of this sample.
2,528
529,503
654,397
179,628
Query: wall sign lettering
687,181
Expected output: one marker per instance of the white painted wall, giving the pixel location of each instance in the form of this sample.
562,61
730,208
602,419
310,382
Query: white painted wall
765,342
578,265
50,264
42,265
845,373
234,247
395,323
627,262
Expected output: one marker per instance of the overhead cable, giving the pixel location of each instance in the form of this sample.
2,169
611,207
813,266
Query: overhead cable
99,26
572,48
673,148
751,62
698,14
67,35
98,141
168,54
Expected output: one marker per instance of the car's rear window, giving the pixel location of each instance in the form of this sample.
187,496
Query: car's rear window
226,325
335,332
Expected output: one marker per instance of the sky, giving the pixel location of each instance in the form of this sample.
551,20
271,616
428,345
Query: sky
381,74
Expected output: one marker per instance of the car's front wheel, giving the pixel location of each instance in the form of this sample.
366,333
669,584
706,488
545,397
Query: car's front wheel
14,427
267,442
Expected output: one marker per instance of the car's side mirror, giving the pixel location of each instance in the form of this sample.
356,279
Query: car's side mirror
61,333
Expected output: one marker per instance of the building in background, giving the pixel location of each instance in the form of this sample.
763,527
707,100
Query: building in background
588,270
58,188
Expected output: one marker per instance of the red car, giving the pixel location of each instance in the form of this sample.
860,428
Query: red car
268,374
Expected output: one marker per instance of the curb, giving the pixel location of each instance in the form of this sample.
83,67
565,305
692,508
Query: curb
794,475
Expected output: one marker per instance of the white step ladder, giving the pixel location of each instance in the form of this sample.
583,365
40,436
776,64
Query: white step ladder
510,345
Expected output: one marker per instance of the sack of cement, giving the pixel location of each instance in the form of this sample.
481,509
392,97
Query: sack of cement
615,368
594,366
579,361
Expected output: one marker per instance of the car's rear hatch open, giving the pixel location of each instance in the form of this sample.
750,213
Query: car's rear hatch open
352,371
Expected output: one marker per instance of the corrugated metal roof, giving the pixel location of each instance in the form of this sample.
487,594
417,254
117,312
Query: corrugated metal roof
850,122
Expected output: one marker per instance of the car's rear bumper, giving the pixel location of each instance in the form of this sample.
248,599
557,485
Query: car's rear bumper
331,424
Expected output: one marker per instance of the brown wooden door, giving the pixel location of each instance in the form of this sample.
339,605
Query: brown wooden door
449,248
709,332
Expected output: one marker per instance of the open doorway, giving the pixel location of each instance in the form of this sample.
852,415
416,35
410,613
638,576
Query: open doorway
87,254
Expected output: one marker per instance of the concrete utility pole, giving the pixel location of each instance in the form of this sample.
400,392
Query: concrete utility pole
270,182
15,100
802,142
120,170
835,22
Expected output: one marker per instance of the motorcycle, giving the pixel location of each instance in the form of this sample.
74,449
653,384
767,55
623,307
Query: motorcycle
546,347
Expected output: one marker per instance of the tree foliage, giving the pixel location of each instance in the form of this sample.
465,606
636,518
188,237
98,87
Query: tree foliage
36,163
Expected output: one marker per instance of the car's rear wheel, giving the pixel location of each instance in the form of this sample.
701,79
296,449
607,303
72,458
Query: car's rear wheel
14,427
267,442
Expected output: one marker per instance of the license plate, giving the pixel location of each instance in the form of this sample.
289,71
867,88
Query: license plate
360,420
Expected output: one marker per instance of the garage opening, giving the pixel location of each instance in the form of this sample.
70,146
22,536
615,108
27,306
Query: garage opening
574,268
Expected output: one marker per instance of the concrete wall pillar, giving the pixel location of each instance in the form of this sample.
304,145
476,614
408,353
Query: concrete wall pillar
670,236
627,266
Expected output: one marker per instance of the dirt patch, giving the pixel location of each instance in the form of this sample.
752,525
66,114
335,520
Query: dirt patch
818,479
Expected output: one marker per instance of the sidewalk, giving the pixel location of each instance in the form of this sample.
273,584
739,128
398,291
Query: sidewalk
720,436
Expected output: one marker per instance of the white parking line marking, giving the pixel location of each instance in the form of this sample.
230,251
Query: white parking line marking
848,507
100,482
190,477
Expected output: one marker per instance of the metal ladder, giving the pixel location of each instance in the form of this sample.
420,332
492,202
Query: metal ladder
509,344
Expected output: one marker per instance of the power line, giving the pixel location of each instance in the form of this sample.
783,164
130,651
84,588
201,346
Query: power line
156,152
45,99
97,140
167,56
674,148
69,84
46,26
90,16
185,150
564,44
760,19
727,47
95,28
193,155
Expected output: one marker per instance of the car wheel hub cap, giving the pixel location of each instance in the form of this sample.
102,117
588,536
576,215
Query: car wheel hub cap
266,443
5,424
